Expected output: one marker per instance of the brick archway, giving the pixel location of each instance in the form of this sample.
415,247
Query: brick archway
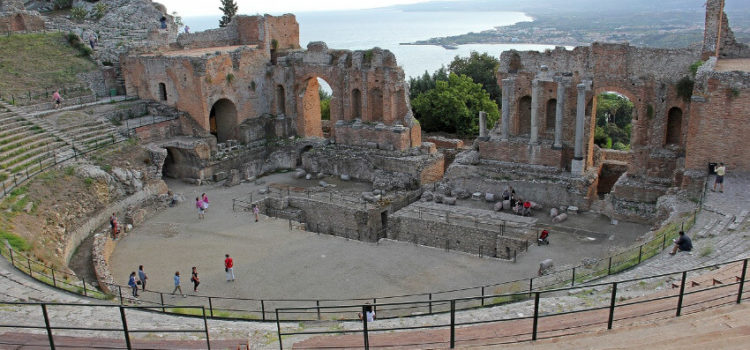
223,120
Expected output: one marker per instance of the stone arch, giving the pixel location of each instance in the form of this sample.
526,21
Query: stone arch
674,127
524,115
162,92
18,23
356,104
550,113
280,100
634,136
223,120
375,104
174,158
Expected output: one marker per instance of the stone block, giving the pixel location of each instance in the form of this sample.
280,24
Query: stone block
476,196
553,212
323,184
308,177
219,175
427,196
449,200
560,218
498,206
438,198
345,177
506,204
572,210
489,197
233,179
299,174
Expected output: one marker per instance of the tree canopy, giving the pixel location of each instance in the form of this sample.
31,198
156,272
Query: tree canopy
482,69
613,121
229,8
454,105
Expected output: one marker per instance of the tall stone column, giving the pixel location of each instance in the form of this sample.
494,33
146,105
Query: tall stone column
534,136
508,85
577,164
559,113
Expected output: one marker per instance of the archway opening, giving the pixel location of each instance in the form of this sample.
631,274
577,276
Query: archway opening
169,169
162,92
524,115
614,121
549,117
316,95
280,100
223,119
356,104
674,127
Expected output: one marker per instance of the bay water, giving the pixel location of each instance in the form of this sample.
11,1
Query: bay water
387,28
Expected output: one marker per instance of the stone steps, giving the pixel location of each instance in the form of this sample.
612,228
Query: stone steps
43,141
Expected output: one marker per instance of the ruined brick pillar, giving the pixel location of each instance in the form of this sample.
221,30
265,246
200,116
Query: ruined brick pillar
482,124
559,113
534,137
507,92
576,166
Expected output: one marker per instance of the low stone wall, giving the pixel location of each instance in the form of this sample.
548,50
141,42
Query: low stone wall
519,151
451,236
444,142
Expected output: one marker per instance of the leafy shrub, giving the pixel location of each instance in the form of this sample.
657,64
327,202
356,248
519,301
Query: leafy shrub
78,14
99,10
63,4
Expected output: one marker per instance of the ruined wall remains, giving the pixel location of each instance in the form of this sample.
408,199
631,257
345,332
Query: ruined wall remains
718,32
21,22
718,120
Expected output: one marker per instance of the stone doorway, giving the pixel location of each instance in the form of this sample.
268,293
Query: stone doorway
169,169
223,120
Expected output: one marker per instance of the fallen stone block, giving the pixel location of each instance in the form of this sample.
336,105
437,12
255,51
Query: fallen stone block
553,212
308,177
345,177
560,218
489,197
498,206
298,174
449,200
427,196
572,210
506,204
476,196
323,184
438,198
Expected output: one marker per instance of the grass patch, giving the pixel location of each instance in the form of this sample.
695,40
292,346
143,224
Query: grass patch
706,251
17,242
35,62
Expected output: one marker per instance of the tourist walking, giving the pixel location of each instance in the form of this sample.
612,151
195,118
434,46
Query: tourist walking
256,210
114,225
719,180
229,268
194,278
142,277
177,284
204,198
132,283
57,99
199,206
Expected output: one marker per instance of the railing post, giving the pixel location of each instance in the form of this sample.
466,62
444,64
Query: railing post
531,285
54,283
573,280
682,292
263,310
161,298
85,292
742,281
453,324
536,316
664,241
612,305
10,249
125,328
278,330
482,295
119,289
430,299
210,307
375,305
640,253
317,305
31,273
205,327
364,327
609,267
49,329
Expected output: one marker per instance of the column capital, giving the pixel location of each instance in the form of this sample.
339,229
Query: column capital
581,87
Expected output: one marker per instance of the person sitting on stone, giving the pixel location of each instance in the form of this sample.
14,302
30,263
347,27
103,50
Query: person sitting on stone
683,244
543,238
506,195
526,208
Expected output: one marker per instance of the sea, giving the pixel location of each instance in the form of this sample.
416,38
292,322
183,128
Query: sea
387,28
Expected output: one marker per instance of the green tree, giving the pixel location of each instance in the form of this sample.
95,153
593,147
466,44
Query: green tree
325,104
454,105
426,82
613,121
229,8
482,68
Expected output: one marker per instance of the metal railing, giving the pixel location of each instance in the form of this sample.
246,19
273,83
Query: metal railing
20,97
105,312
544,322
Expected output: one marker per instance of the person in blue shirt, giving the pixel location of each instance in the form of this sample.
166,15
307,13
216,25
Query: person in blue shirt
133,284
177,284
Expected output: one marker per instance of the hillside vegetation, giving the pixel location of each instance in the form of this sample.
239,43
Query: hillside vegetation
37,62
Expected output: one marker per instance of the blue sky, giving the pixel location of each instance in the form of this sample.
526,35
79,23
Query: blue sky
188,8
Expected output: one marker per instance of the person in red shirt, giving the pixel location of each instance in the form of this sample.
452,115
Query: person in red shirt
543,238
229,268
526,208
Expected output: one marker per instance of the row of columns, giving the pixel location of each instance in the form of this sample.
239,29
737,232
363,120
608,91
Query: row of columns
536,92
